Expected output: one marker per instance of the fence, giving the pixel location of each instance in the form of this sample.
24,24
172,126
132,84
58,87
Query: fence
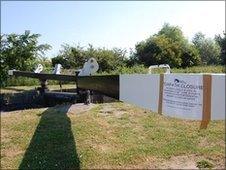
185,96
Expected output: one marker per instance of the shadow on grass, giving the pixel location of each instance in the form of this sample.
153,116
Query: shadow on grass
52,145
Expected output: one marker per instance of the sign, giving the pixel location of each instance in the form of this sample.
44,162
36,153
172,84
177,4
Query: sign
183,96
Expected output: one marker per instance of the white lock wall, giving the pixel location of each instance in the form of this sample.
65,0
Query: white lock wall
140,89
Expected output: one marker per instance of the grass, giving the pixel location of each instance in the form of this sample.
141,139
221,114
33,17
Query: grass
194,69
15,89
110,135
140,69
204,164
201,69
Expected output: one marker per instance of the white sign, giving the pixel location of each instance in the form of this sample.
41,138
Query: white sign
183,96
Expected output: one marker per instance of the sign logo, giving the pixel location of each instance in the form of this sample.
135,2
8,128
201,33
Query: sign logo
179,81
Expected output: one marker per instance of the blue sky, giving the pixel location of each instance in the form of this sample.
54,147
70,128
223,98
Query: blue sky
111,23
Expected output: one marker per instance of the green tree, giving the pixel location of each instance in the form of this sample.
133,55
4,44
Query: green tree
190,56
46,62
20,52
168,46
174,33
74,57
133,60
209,50
70,57
222,43
108,59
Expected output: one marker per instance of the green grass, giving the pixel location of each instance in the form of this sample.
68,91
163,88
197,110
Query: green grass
15,89
110,135
195,69
204,164
201,69
140,69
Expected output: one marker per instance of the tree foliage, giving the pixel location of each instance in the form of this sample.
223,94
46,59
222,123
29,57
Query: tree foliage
168,46
222,43
209,49
73,57
20,52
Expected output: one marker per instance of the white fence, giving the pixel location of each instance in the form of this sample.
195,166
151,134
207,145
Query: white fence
186,96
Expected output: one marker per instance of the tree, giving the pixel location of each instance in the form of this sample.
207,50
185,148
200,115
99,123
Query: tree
209,50
70,57
190,56
20,52
108,59
74,57
222,43
132,60
168,46
174,33
159,50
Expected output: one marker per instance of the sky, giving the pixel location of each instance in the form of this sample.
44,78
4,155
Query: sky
109,24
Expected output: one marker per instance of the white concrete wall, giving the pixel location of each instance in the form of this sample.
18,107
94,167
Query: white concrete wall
140,89
218,97
143,90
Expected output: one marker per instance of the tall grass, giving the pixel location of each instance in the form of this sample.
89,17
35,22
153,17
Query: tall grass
140,69
200,69
24,81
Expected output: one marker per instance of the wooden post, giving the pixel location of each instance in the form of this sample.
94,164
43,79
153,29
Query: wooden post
206,115
161,81
76,81
88,98
43,86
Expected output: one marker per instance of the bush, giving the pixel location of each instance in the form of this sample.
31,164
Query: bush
21,81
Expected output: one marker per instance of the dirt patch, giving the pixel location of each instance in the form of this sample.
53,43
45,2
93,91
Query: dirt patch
180,162
5,137
80,108
108,109
12,152
149,162
206,144
146,163
190,162
104,148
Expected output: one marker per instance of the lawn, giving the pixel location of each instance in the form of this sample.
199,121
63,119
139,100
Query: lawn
18,89
109,135
200,69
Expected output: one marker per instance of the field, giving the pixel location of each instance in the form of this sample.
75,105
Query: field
18,89
200,69
109,135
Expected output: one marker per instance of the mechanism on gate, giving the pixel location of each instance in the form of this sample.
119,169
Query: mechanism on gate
90,67
166,66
